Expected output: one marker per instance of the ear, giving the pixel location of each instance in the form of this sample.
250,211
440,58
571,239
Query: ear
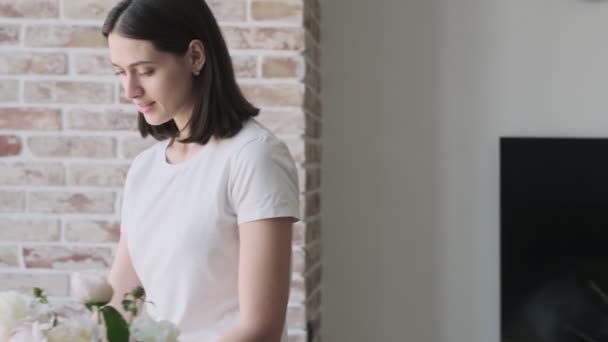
196,55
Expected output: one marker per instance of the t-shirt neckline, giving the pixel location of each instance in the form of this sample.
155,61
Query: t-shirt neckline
165,162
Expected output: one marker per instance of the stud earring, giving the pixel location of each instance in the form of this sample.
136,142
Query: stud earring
196,72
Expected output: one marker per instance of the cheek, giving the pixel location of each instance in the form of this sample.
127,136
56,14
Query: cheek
177,89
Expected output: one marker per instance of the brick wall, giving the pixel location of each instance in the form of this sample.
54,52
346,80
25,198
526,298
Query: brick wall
67,135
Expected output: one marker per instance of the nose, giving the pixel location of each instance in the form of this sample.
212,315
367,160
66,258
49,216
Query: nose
132,86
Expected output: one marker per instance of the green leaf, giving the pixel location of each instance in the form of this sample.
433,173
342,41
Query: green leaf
117,329
138,292
126,304
39,294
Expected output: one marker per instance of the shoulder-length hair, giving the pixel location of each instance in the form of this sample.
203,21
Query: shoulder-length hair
170,25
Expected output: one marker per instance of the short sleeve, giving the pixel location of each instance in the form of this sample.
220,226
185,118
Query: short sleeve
263,181
125,204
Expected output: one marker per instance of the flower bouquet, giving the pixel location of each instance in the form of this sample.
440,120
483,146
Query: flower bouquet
31,318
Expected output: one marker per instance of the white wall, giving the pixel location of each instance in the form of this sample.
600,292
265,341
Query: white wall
416,94
379,171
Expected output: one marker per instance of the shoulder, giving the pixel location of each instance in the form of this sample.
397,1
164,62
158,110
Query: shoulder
253,139
263,179
256,141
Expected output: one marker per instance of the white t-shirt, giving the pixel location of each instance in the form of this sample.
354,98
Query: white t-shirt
182,223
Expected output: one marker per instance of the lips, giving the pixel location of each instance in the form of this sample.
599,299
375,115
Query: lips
145,107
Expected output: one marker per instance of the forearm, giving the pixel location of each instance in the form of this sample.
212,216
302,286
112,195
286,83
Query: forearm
123,277
241,333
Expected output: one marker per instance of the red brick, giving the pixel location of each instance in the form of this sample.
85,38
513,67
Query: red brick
10,145
10,34
310,204
122,98
12,201
297,294
92,231
312,102
311,23
312,51
19,230
298,260
64,36
298,335
312,77
9,90
69,92
313,231
228,10
299,234
87,9
274,95
264,38
245,66
9,257
313,152
313,305
277,10
313,178
296,316
313,278
313,254
93,64
16,63
283,67
102,120
38,174
313,127
313,8
76,147
67,258
29,8
71,202
30,119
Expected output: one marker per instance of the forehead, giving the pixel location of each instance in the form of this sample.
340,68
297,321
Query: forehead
125,51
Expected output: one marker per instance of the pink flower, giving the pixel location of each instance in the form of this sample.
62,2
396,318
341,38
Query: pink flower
90,287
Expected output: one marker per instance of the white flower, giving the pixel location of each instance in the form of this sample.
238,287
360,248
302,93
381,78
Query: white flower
30,332
14,307
74,329
90,287
145,329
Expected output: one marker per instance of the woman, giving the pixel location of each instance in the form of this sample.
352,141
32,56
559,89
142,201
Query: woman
207,211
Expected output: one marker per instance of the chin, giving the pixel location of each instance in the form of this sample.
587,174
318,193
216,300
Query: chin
155,120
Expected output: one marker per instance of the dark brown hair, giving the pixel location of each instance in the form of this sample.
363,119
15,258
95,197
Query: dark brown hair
170,25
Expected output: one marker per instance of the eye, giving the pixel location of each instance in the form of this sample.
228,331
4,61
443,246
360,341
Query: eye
146,73
119,72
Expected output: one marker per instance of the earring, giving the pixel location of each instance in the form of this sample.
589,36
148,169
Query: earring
196,72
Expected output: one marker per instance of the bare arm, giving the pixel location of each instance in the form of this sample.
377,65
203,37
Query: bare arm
264,266
122,275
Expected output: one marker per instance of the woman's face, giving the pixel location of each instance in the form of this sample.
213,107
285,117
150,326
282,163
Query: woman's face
158,83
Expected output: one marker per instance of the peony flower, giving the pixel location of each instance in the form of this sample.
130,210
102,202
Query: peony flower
145,329
74,329
14,307
30,332
90,288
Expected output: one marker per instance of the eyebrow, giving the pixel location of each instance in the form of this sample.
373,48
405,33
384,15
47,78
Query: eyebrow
135,64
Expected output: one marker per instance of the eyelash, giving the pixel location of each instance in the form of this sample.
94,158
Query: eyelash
146,73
